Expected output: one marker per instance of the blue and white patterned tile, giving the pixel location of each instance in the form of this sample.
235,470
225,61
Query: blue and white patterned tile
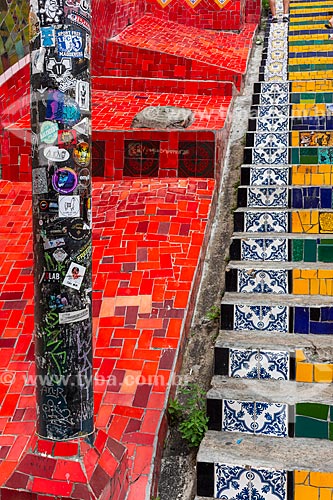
261,281
274,111
271,419
271,140
263,176
238,416
267,484
260,249
272,124
275,89
232,482
267,197
270,156
257,222
265,318
243,363
274,365
274,98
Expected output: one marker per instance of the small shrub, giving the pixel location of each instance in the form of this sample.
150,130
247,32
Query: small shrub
213,313
191,414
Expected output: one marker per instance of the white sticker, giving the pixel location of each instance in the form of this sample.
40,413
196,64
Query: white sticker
60,255
83,127
53,153
37,60
74,276
82,94
69,206
73,316
59,242
48,132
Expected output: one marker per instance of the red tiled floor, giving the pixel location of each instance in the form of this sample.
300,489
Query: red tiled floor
138,329
114,110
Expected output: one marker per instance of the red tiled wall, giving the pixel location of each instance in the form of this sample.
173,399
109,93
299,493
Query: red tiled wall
110,18
252,11
206,15
168,164
127,61
14,103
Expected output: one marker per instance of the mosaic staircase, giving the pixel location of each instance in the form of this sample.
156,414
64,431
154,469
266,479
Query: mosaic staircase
270,406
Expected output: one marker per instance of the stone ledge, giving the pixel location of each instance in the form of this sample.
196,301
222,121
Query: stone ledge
237,449
318,347
269,391
277,299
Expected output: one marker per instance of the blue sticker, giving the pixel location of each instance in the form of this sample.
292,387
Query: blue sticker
48,36
62,108
70,43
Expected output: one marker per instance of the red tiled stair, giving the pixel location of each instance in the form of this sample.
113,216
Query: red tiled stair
149,238
156,48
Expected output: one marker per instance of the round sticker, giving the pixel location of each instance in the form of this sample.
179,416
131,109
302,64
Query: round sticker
81,154
48,132
78,229
64,180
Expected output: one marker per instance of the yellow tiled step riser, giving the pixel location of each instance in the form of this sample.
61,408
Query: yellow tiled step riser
312,175
312,282
307,75
312,222
313,485
312,372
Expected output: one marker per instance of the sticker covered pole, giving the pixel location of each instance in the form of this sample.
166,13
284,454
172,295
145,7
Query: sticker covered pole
60,47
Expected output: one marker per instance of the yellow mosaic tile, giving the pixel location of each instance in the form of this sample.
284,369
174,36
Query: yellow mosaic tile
304,372
300,356
323,373
305,222
312,175
326,222
301,476
321,479
305,493
325,494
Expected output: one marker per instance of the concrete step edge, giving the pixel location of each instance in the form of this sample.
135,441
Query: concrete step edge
277,299
315,346
269,391
275,453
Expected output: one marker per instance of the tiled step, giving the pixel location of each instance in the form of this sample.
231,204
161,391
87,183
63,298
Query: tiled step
272,407
300,176
152,47
254,354
288,314
297,279
283,196
284,155
277,246
227,465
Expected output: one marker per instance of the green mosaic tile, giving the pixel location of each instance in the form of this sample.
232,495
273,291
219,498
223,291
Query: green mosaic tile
316,410
294,155
330,431
311,428
310,251
325,156
325,253
295,98
298,246
331,413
